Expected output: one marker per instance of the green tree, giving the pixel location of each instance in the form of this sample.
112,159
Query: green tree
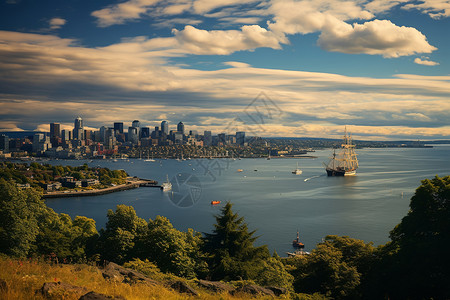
19,210
335,268
232,255
415,264
123,229
172,250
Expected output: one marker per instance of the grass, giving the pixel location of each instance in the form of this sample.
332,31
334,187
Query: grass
24,277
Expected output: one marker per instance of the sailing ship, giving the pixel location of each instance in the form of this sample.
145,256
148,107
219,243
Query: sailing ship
297,171
344,162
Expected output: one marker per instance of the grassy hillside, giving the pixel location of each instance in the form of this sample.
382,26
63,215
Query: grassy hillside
24,277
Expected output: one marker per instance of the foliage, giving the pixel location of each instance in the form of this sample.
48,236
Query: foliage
36,173
415,264
123,229
28,226
173,251
19,213
335,268
232,256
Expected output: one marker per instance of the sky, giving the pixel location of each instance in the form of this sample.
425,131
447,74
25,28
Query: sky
304,68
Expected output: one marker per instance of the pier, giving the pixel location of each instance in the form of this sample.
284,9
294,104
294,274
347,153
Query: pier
132,183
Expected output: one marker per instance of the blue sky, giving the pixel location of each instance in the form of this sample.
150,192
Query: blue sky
380,67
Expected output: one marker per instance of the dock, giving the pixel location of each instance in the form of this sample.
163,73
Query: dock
132,183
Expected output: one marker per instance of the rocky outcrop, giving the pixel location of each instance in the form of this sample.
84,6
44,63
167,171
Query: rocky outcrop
98,296
115,272
60,290
255,290
216,286
182,287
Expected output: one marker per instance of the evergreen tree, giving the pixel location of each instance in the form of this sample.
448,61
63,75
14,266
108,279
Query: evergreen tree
230,248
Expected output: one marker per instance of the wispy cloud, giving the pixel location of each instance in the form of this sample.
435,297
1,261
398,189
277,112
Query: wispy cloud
134,79
425,61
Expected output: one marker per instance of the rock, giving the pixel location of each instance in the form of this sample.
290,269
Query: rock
216,286
98,296
61,290
255,290
118,273
277,290
183,287
3,286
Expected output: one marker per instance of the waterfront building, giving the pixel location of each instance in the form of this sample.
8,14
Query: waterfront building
222,139
240,138
165,127
207,138
178,138
136,124
78,130
133,135
180,128
4,143
118,127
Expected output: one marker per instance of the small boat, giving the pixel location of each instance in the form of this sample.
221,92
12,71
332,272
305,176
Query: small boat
297,171
215,202
240,170
167,185
297,244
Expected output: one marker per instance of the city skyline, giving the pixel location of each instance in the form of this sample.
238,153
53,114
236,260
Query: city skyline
379,67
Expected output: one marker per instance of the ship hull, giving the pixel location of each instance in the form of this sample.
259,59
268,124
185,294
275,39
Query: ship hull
331,172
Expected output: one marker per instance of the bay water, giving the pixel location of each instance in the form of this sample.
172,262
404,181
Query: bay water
273,201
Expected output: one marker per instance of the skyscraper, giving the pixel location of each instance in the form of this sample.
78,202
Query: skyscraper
180,128
136,124
240,138
165,127
133,135
78,130
4,143
55,130
118,127
207,138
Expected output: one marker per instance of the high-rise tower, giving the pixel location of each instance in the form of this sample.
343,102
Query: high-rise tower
180,128
165,127
78,131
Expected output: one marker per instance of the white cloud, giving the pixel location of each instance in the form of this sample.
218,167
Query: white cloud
436,9
56,23
309,16
122,12
237,64
126,80
425,61
223,42
380,37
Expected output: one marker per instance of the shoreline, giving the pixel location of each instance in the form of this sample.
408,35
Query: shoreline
131,184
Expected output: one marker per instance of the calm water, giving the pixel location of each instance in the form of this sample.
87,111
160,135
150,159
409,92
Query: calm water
272,200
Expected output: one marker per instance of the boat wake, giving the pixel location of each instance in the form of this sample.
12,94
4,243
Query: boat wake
317,176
